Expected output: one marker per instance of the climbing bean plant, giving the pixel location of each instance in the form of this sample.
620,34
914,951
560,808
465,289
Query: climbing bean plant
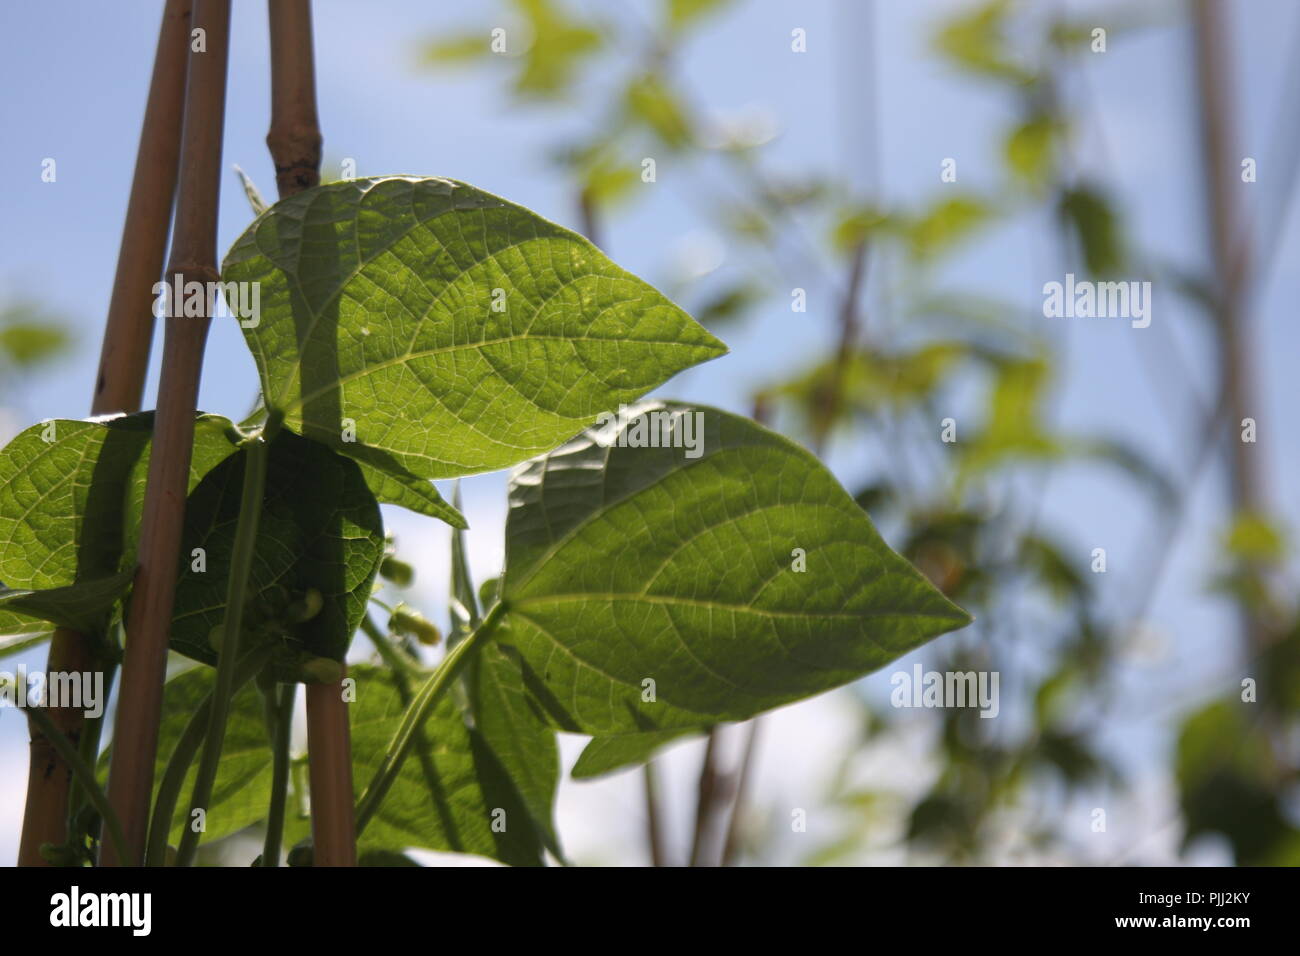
667,566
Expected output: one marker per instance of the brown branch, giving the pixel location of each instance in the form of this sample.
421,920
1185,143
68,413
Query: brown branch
714,792
294,140
194,257
123,363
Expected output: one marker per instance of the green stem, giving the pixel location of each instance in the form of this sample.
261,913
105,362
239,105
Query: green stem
178,765
256,453
417,714
83,774
281,725
91,734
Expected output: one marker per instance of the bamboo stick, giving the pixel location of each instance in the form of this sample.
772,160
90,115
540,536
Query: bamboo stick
123,363
193,256
294,140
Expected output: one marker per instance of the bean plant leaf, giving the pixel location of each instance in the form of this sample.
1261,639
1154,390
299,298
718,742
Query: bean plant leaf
449,802
681,566
430,329
501,707
320,529
605,755
79,606
71,497
242,791
506,716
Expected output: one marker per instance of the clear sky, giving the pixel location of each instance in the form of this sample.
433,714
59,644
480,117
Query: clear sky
74,76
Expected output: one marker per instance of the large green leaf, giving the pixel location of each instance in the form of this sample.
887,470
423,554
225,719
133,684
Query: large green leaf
627,564
71,496
457,332
242,793
451,807
319,529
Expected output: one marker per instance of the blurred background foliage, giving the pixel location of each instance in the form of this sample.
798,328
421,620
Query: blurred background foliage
908,350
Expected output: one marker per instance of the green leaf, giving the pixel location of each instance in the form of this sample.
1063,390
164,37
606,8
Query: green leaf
506,716
18,632
1093,220
677,565
559,46
242,794
79,606
650,101
682,13
1030,149
71,496
320,528
27,343
946,224
408,491
975,40
454,809
604,755
501,707
377,308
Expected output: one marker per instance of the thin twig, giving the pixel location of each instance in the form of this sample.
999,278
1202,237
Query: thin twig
654,830
193,257
123,363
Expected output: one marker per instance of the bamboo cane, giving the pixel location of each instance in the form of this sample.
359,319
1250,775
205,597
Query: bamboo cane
294,140
124,360
193,256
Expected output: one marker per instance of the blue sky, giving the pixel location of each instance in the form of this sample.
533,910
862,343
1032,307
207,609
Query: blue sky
75,76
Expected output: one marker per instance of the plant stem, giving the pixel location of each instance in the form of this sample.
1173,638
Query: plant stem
731,849
178,765
281,725
711,793
223,690
194,257
653,822
81,771
124,359
417,713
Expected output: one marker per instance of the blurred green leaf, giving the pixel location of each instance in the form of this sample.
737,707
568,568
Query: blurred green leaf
946,223
30,336
1093,220
650,101
1030,149
682,13
975,41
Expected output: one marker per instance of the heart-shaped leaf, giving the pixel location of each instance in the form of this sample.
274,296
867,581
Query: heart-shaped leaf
432,330
682,566
320,530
